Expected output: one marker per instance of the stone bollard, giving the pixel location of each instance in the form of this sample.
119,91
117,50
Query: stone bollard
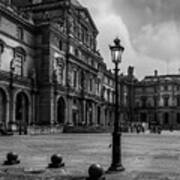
56,161
11,159
96,172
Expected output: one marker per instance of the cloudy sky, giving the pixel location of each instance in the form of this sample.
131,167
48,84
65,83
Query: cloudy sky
149,30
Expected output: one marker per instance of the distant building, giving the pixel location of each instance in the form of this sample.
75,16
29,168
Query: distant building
50,70
156,100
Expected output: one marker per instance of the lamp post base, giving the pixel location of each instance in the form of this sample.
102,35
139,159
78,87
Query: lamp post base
115,168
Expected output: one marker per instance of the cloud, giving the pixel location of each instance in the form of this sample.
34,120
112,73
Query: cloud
141,12
110,26
159,41
149,30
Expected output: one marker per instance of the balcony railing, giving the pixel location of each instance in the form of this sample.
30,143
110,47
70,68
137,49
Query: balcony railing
17,79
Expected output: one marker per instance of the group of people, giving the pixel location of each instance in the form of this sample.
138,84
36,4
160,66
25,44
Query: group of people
137,127
142,127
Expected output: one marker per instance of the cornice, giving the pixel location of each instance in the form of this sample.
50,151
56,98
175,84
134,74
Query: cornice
83,64
43,6
15,39
13,15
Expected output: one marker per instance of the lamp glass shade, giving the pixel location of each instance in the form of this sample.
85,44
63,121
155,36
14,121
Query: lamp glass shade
116,53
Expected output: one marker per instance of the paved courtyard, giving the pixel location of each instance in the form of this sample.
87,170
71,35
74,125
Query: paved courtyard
146,153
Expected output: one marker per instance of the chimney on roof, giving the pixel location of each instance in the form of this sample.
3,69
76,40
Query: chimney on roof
131,71
156,73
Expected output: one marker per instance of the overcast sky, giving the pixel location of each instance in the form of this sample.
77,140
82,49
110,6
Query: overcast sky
149,30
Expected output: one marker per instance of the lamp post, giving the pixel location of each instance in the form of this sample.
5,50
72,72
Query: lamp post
116,52
12,69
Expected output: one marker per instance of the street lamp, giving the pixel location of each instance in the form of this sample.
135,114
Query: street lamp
12,69
116,53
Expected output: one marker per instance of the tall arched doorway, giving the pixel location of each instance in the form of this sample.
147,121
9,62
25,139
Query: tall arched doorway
22,112
2,109
166,119
61,111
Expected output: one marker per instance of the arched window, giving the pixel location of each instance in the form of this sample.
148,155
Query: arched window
18,61
166,101
90,84
75,78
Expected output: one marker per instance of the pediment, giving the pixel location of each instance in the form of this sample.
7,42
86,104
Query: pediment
85,15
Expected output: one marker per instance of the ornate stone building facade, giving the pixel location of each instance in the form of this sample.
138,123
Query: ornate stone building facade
51,71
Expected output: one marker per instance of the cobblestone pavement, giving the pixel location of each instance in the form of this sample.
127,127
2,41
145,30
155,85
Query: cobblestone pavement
143,155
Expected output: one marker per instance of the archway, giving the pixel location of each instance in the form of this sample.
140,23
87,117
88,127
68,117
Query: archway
3,109
166,118
22,112
143,117
61,111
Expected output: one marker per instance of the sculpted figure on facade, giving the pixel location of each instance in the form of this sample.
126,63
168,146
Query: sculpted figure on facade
55,76
33,76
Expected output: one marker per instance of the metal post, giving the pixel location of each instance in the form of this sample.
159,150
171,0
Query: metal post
11,97
116,136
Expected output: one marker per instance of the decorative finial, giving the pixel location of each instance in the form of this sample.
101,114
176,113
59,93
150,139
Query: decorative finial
117,41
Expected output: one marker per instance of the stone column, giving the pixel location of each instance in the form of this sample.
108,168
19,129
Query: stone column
172,119
55,109
84,112
11,108
93,113
7,113
69,110
102,115
96,114
52,106
23,120
160,118
33,109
